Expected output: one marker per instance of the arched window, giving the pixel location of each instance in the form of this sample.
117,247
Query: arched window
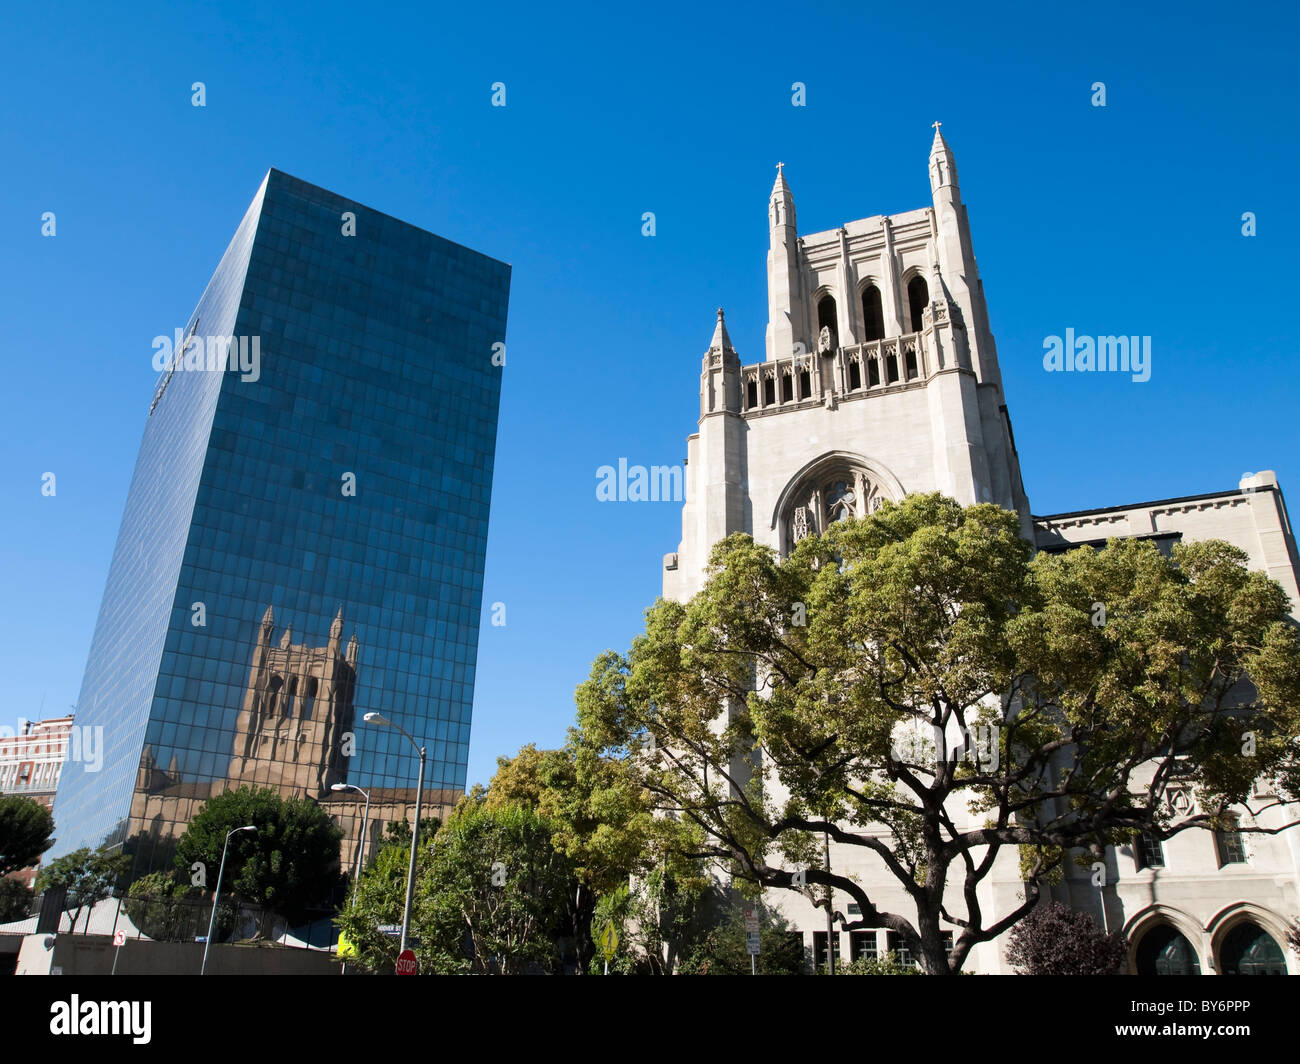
1250,950
309,697
840,501
918,298
769,391
833,492
873,315
273,694
293,693
1163,951
855,375
751,393
828,319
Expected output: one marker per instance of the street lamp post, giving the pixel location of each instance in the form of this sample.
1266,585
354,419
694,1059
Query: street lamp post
216,897
361,848
377,718
365,822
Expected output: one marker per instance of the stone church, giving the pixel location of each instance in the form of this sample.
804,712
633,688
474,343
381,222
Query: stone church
881,378
292,735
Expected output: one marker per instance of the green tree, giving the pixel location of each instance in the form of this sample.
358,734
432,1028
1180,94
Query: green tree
720,944
166,909
89,875
288,864
26,832
497,885
888,965
603,821
15,900
492,896
1079,685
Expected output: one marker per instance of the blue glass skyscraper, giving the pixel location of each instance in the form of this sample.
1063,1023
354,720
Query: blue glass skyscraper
304,536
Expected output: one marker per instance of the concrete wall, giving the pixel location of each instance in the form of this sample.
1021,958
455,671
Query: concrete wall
93,955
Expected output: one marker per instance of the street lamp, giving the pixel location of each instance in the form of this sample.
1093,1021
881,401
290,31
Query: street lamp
361,848
382,721
207,943
365,822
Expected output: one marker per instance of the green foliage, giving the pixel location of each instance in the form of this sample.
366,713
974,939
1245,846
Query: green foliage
165,909
15,901
26,830
90,876
290,863
492,896
888,965
719,945
657,917
927,615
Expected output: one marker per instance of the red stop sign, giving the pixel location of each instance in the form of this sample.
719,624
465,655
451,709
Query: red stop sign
406,964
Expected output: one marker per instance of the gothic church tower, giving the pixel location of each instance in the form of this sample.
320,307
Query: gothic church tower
880,378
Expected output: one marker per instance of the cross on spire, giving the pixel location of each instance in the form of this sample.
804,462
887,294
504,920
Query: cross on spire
778,169
936,126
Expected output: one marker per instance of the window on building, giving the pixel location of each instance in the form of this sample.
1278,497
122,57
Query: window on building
855,376
751,394
819,949
769,391
1230,845
899,948
805,384
873,317
873,373
891,369
863,946
909,362
827,318
1148,852
918,298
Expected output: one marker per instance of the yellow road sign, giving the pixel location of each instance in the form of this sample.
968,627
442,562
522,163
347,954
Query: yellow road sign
609,942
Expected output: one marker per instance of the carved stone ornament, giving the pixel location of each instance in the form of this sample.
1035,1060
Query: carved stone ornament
799,526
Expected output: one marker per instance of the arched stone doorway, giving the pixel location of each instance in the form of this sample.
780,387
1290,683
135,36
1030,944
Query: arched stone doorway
1166,951
1250,950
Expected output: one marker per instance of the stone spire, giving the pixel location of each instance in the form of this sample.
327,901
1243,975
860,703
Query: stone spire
721,342
336,632
943,167
720,373
781,203
784,306
268,625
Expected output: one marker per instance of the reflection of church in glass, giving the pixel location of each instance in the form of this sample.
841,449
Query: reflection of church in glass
298,706
295,734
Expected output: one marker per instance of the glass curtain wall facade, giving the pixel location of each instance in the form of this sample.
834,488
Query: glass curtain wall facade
304,536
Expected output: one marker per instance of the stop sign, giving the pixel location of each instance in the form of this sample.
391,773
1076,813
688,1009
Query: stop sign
406,962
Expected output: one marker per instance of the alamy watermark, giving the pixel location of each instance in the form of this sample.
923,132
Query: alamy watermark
639,484
1098,354
979,745
84,745
238,354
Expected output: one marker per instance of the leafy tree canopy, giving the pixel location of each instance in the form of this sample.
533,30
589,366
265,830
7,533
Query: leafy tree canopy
920,686
26,832
288,864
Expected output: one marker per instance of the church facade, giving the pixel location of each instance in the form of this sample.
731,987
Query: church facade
881,378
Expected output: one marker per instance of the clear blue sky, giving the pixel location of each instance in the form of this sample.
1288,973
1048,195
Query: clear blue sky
1117,220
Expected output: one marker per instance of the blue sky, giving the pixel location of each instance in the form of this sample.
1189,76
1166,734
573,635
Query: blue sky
1122,219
